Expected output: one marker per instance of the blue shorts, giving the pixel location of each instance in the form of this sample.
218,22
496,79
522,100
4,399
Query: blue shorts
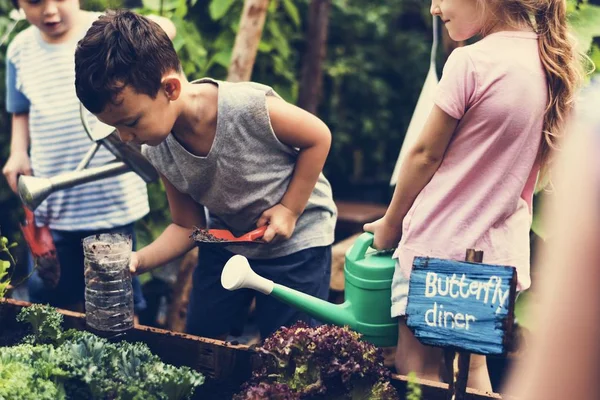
71,286
214,311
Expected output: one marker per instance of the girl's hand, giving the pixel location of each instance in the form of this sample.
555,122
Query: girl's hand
281,223
386,236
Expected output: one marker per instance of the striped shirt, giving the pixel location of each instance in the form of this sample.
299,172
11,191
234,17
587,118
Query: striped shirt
41,80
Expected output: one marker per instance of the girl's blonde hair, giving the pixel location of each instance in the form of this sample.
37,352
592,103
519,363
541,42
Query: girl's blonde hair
560,58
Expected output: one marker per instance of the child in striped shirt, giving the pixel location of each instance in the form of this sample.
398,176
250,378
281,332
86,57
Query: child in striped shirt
48,139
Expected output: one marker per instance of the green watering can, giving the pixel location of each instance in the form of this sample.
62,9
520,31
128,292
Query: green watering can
368,286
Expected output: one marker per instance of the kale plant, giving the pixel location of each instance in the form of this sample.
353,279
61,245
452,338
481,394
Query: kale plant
29,372
327,362
124,371
45,323
78,365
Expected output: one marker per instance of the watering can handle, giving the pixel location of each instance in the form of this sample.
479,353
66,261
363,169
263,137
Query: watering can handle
360,247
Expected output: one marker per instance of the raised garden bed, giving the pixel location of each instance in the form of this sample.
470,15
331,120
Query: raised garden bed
225,365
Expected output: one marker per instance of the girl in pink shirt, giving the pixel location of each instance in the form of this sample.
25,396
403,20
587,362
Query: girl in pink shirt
469,180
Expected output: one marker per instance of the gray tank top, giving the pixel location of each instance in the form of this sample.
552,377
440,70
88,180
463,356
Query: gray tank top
246,171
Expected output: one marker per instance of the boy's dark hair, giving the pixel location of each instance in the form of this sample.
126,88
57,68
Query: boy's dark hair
121,48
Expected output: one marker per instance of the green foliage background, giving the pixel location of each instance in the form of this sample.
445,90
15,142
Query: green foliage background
376,63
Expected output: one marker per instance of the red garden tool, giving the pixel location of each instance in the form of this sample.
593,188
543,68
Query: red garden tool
40,243
223,236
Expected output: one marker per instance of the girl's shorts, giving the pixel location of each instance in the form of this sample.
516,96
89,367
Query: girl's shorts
399,292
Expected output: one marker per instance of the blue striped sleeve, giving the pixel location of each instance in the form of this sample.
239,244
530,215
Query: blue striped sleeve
16,102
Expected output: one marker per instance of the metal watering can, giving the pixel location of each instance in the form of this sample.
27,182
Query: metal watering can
368,275
34,190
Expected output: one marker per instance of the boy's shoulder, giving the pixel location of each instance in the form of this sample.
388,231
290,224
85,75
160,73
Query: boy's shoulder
244,96
20,40
253,85
239,99
248,87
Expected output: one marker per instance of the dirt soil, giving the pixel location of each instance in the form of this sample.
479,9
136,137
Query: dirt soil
202,235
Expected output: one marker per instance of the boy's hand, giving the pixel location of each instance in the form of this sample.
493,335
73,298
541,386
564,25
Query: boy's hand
17,164
281,223
386,235
135,265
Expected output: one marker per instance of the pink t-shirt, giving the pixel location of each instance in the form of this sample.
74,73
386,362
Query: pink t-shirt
481,195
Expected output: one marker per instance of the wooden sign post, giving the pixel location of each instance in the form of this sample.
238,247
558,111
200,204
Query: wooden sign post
463,307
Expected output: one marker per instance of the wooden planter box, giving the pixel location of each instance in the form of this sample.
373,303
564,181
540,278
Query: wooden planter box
225,365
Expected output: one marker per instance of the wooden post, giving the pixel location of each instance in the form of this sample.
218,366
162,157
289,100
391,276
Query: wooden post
311,79
247,40
457,363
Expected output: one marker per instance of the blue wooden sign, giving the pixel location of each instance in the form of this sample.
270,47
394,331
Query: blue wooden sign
462,305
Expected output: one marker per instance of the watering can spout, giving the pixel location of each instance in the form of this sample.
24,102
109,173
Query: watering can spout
237,274
34,190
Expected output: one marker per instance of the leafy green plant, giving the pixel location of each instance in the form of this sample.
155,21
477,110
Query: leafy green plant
5,265
45,322
206,33
584,18
369,98
124,370
413,389
326,362
57,364
29,372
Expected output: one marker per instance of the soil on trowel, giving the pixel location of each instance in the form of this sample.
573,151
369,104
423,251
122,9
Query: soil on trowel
204,236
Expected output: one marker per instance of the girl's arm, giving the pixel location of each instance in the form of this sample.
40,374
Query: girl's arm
421,162
175,240
297,128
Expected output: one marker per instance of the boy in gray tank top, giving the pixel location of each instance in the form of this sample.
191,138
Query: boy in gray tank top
237,149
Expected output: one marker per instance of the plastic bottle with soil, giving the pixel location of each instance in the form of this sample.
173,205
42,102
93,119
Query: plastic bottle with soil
108,290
